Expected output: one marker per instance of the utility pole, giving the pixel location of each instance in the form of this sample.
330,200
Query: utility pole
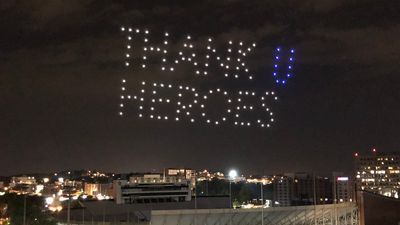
195,198
195,191
104,215
262,204
315,201
206,186
335,198
230,194
127,216
24,220
69,210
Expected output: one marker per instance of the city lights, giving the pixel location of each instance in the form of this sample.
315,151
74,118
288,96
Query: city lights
378,172
49,200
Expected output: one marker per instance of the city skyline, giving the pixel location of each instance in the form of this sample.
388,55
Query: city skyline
242,172
62,64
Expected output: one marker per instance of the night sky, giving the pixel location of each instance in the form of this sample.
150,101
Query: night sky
61,64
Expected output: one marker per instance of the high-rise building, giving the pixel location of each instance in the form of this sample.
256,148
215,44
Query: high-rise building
307,187
378,173
344,189
323,190
303,188
282,191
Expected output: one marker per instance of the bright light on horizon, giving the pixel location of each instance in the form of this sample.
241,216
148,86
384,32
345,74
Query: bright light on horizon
233,174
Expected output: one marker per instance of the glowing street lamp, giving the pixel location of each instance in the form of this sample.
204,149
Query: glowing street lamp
232,176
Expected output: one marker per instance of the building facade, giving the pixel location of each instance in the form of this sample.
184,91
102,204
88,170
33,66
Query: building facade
282,191
295,189
23,184
344,189
378,173
22,180
185,173
303,189
96,189
152,188
148,178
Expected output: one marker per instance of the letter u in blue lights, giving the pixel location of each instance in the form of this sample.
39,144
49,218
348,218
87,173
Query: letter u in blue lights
280,73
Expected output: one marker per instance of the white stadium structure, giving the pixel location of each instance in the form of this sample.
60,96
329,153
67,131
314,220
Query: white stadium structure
339,214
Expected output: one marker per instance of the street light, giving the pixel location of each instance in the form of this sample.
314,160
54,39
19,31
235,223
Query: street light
232,176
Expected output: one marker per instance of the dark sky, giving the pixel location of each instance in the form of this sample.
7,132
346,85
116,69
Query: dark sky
61,64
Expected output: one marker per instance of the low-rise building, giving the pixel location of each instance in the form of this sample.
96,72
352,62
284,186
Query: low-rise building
23,184
22,180
151,192
95,189
146,178
185,173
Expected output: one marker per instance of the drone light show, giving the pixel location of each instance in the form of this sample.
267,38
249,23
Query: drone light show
213,63
282,75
